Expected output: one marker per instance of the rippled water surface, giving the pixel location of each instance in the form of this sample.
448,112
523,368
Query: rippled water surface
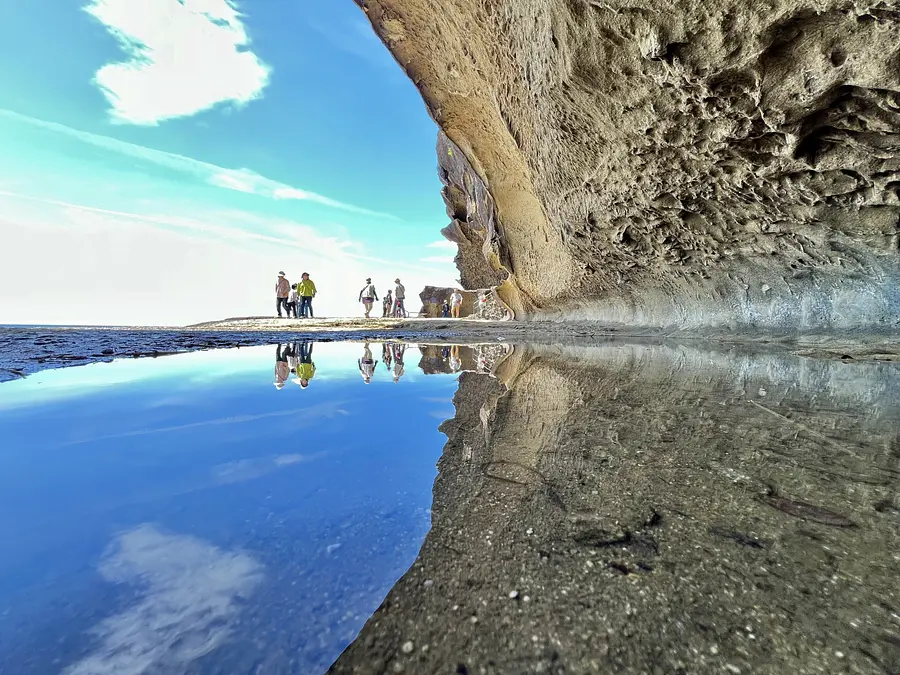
224,511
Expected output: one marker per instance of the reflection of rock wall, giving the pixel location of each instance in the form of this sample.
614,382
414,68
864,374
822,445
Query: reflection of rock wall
650,508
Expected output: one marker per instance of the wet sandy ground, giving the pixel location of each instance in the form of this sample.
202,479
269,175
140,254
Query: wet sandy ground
27,350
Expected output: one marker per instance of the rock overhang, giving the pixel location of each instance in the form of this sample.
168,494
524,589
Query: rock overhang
673,164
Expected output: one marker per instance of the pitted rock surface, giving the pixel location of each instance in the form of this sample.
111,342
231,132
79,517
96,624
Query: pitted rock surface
680,164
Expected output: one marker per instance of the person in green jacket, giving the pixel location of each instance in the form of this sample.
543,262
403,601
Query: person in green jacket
306,289
306,369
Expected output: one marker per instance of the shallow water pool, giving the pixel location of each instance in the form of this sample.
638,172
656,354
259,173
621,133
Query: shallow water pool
221,511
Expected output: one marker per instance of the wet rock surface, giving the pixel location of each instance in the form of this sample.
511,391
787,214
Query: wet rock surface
652,163
656,509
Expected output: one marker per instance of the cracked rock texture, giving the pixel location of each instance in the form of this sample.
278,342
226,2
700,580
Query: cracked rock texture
675,164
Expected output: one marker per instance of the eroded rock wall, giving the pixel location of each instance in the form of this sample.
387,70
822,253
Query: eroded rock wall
657,163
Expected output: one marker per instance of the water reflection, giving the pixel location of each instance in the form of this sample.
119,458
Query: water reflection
655,508
182,515
625,507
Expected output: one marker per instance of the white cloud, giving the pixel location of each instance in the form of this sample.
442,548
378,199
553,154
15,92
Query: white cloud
444,244
192,594
239,180
183,57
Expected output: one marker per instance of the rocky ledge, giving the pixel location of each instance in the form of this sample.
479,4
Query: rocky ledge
673,164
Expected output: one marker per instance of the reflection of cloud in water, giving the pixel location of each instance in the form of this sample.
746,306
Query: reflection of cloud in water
190,600
248,469
310,415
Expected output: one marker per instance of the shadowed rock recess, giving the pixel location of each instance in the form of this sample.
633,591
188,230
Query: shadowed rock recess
710,163
655,508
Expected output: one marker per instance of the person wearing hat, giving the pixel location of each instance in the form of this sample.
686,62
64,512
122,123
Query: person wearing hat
282,290
399,297
367,296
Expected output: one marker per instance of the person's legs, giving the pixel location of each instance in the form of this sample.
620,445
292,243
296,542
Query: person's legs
278,305
306,303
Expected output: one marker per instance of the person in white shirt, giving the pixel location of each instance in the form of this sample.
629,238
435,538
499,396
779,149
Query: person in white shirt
456,299
399,298
367,364
293,301
367,296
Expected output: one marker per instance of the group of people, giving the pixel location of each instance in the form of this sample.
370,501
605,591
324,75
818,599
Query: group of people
392,357
296,359
393,304
295,299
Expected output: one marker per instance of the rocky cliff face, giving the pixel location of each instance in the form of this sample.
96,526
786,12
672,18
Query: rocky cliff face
684,164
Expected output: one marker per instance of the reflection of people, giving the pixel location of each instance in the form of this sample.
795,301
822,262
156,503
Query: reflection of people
367,365
399,298
282,290
281,367
387,303
305,369
456,300
455,360
307,291
399,351
367,296
386,355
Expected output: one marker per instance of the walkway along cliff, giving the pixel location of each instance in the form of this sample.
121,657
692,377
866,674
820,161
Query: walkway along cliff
707,164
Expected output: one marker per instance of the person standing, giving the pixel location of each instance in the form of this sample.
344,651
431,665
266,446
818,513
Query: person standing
293,302
456,300
399,351
306,368
387,304
399,298
281,367
307,291
282,290
367,296
367,364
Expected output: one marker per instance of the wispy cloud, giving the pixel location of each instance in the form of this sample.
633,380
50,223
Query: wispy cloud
443,244
238,180
191,596
183,57
244,180
438,259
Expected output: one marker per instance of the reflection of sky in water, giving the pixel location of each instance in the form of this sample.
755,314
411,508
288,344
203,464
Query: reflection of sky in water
181,514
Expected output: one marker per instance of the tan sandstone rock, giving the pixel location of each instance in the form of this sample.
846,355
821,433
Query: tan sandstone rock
667,163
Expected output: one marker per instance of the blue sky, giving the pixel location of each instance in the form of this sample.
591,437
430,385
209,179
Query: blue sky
162,160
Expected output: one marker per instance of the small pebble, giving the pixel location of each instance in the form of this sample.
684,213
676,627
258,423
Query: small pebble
732,669
429,582
840,655
513,595
408,647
